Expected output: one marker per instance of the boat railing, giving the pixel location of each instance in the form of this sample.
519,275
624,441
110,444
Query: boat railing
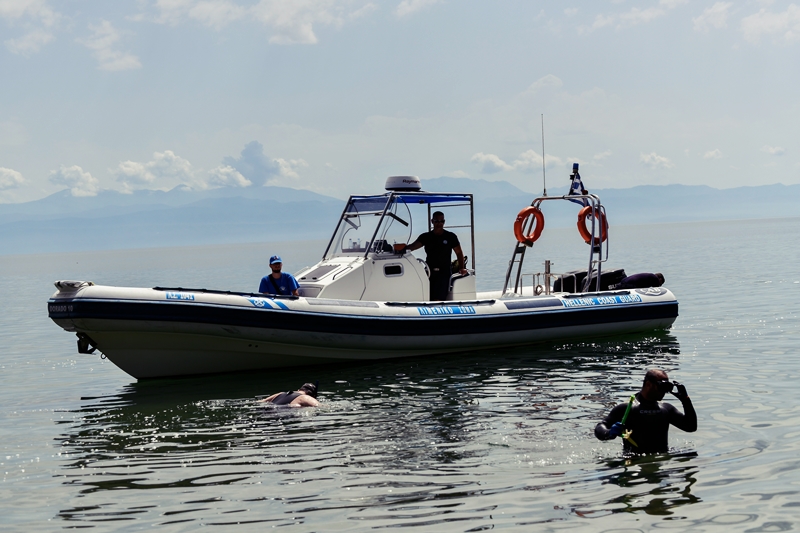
597,240
542,282
227,293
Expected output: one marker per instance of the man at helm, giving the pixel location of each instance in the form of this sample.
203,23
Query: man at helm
439,245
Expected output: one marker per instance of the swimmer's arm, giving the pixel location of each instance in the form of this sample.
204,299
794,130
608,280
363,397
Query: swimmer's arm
685,421
616,414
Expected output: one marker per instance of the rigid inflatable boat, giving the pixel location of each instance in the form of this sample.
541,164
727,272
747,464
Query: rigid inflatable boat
366,299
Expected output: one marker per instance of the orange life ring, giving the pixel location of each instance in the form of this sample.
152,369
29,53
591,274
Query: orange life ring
522,219
601,220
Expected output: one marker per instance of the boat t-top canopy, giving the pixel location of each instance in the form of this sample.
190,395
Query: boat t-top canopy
361,204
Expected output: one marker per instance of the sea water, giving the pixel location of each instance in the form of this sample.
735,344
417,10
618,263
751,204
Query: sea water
498,439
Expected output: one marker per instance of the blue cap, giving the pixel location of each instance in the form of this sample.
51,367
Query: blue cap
275,259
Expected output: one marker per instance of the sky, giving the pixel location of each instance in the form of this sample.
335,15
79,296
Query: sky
335,95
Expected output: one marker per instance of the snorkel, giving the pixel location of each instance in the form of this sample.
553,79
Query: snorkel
627,433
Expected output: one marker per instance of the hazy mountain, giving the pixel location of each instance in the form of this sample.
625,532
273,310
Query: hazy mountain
112,220
644,204
108,202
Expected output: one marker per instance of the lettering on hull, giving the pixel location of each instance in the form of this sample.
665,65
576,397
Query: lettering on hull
179,296
447,310
593,301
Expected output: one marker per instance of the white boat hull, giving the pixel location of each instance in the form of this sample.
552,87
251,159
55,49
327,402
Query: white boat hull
152,333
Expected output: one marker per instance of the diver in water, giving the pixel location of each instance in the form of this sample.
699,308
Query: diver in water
647,424
305,396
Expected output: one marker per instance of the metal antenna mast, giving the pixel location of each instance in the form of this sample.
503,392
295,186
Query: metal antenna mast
544,179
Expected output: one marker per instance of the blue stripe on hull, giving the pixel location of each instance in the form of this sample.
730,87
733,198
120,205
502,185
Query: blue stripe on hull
360,325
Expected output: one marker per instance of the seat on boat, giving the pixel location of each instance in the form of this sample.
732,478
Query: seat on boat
462,287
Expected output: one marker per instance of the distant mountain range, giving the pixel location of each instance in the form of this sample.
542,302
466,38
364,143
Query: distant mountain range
182,217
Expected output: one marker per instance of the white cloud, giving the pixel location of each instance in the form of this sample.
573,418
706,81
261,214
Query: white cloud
10,179
713,154
167,170
527,161
633,17
164,171
601,21
80,183
571,11
30,43
653,160
530,161
784,26
362,11
34,10
602,155
254,165
287,168
131,173
227,176
408,7
490,163
214,13
638,16
715,16
102,42
291,22
457,174
167,164
773,150
545,81
14,9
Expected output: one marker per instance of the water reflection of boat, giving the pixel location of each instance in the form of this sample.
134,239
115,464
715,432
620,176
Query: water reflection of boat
364,300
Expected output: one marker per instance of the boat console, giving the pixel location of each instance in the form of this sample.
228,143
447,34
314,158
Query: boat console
362,262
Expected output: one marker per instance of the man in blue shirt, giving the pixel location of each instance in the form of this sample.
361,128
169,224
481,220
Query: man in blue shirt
278,282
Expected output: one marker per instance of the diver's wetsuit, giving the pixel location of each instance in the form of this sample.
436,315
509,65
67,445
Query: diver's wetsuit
285,398
650,423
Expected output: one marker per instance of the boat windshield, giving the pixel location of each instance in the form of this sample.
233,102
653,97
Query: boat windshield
357,226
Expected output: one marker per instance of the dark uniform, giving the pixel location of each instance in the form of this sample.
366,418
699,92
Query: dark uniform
650,423
439,253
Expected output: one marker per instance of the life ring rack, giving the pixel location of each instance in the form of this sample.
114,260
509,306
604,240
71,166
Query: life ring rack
600,219
522,220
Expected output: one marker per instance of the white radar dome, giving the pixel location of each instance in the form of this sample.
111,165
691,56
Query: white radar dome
403,183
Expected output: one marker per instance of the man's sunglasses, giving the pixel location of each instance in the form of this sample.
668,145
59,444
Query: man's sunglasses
663,385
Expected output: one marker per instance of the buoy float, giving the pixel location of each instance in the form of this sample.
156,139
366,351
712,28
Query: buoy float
522,219
599,217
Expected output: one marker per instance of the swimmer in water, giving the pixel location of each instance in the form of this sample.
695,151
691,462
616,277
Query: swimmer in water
305,396
649,419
